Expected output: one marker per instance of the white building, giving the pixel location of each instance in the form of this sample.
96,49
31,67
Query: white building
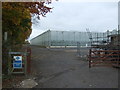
119,15
65,38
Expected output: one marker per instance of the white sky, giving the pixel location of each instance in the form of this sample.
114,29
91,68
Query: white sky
76,15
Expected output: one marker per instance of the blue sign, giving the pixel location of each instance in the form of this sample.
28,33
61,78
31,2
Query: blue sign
17,65
17,58
18,62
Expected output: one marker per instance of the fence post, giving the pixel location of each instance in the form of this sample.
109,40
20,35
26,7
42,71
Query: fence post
90,58
28,59
78,48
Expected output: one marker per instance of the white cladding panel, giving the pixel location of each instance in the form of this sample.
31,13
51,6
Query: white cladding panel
119,14
64,38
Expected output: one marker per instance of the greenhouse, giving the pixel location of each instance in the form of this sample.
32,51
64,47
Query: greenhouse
66,38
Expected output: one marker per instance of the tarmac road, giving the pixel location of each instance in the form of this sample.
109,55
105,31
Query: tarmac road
61,68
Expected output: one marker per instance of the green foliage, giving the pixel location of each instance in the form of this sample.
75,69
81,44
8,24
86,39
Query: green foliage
16,21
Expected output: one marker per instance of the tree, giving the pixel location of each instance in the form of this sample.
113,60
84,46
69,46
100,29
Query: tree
16,21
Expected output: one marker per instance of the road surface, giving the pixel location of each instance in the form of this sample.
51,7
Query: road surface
62,68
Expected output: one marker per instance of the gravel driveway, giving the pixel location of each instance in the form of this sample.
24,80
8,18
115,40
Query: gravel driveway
62,68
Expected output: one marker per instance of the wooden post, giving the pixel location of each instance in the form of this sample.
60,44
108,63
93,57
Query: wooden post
90,58
28,59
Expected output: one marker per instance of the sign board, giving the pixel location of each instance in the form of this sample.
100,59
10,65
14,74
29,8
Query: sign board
17,63
18,58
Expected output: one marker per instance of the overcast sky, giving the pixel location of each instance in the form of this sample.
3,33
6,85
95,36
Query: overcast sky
77,16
